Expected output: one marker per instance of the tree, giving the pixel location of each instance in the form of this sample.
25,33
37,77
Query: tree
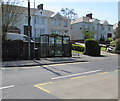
69,13
11,12
89,34
117,32
117,37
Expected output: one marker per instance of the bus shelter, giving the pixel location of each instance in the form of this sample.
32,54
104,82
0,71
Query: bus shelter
55,46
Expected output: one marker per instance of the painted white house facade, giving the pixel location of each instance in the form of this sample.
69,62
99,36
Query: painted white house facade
102,29
44,22
114,29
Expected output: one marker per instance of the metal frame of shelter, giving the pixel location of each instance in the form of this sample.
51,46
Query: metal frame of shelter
52,45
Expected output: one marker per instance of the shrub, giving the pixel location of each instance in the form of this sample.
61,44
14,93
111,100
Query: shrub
110,39
92,47
117,44
86,40
78,47
116,51
112,43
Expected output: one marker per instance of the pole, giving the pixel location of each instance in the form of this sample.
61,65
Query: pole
34,32
29,29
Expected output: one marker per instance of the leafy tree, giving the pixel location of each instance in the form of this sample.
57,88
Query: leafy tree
89,34
117,37
117,32
11,12
69,13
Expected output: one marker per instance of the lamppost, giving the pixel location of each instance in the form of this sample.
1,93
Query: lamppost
29,29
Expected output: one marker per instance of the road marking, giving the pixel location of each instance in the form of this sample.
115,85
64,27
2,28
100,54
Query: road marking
38,86
53,65
21,67
78,77
103,73
78,63
76,74
42,89
44,83
7,87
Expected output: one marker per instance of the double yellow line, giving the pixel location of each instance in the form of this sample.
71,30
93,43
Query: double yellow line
39,86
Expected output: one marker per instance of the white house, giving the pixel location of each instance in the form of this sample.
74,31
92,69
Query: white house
114,29
102,29
59,24
44,22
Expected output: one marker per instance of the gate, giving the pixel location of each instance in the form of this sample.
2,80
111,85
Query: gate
55,46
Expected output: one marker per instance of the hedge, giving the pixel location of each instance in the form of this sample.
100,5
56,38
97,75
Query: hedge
92,47
78,47
117,44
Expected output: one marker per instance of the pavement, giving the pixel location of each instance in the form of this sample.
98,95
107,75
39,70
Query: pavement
76,57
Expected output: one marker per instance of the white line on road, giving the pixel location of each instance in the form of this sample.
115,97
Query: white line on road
76,74
7,87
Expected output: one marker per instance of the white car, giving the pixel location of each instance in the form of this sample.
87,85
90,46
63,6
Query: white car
110,48
16,36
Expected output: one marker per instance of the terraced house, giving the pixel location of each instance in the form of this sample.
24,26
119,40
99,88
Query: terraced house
101,28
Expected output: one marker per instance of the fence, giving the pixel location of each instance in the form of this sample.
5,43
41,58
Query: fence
16,50
49,46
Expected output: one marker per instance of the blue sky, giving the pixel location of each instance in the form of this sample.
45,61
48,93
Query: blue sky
101,10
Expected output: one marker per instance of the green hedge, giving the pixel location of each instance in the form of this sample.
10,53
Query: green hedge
117,44
112,43
92,47
110,39
78,47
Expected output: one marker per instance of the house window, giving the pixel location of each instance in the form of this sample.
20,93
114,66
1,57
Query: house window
42,31
55,22
65,24
43,20
109,28
35,31
86,26
66,32
55,31
109,35
95,27
26,19
102,28
39,20
35,19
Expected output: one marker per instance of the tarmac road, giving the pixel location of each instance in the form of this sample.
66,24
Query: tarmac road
28,83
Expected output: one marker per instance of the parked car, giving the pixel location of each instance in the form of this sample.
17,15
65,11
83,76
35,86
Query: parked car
110,48
16,36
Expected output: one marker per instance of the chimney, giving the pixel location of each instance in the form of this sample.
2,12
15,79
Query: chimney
40,7
89,15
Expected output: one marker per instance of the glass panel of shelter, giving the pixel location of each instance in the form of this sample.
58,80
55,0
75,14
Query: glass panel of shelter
55,46
43,46
58,46
51,46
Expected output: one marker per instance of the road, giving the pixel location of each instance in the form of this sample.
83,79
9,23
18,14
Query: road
69,80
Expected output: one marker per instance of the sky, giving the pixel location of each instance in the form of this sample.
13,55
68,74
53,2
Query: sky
102,9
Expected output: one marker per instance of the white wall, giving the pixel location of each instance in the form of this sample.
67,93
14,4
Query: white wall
77,33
